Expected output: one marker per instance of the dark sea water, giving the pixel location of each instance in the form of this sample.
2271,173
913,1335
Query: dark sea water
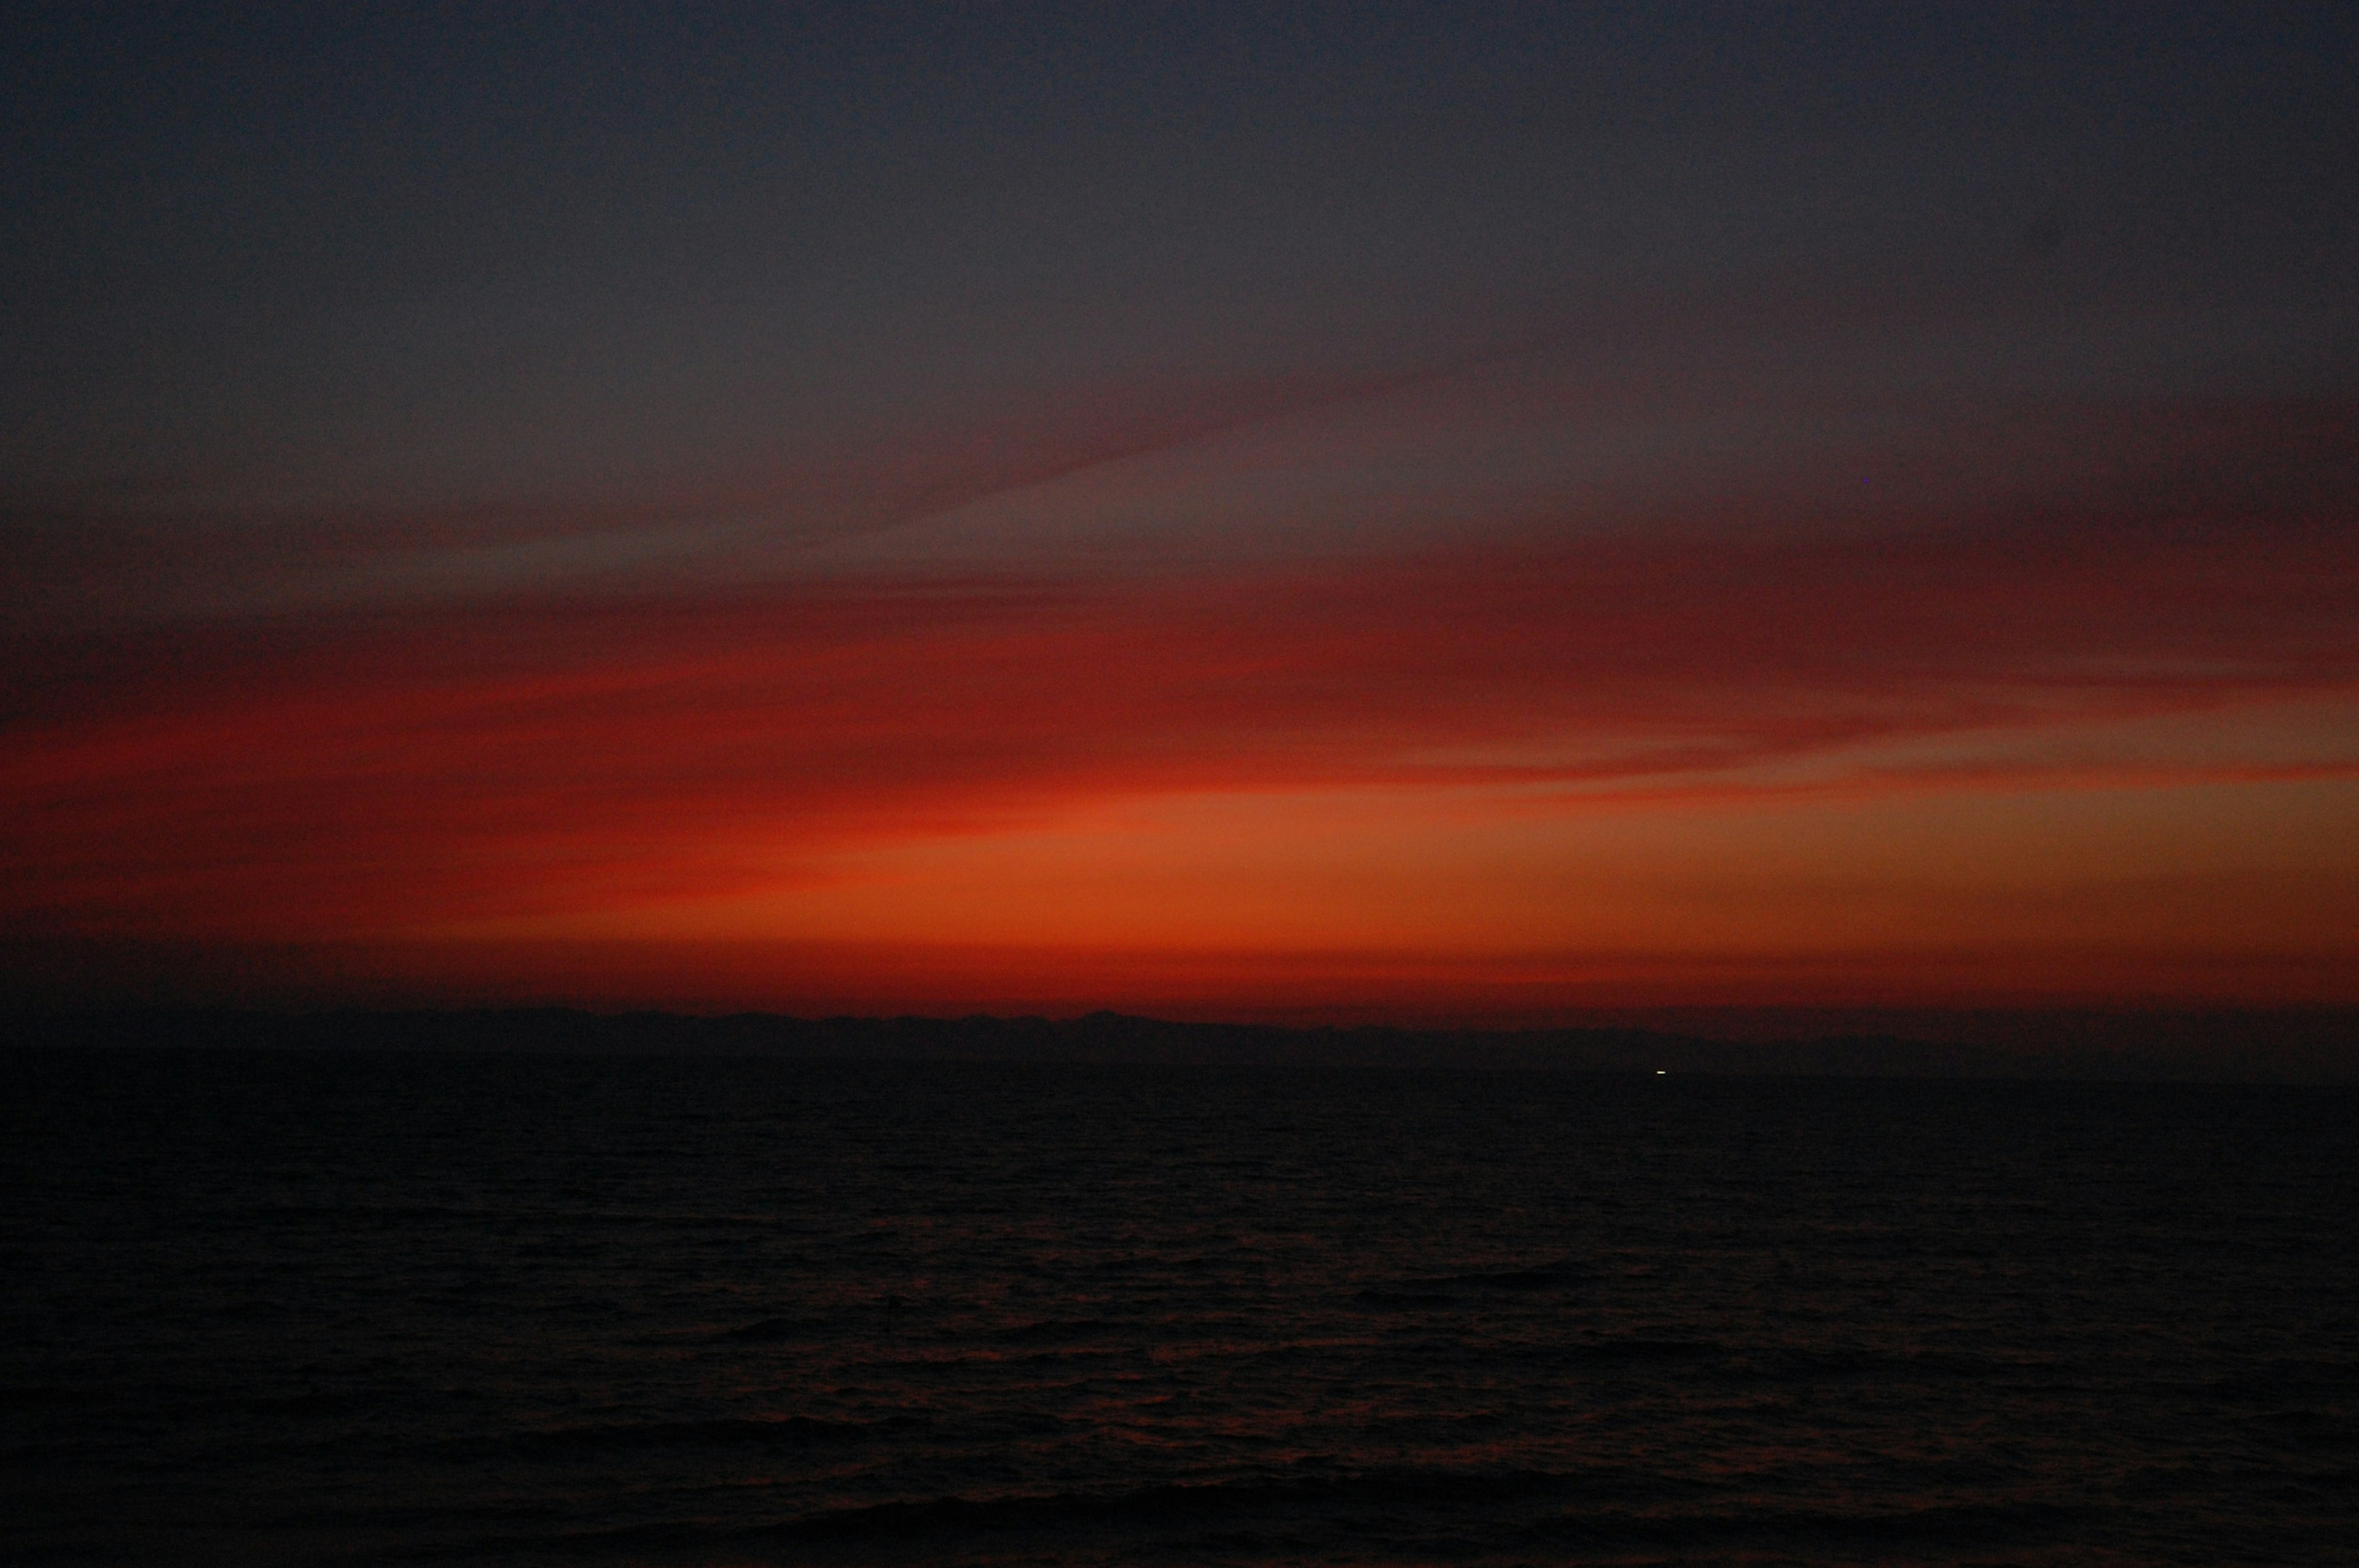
263,1308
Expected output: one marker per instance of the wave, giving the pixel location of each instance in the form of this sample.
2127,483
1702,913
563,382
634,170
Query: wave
1176,1502
1945,1526
1411,1512
1441,1290
766,1432
1058,1331
769,1330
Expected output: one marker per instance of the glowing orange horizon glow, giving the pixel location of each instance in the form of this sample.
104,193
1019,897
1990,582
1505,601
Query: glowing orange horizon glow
2097,761
1417,518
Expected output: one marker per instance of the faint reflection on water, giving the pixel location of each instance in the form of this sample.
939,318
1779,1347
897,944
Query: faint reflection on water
271,1308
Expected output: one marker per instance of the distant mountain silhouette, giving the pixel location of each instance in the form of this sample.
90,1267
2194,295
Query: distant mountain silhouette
2321,1046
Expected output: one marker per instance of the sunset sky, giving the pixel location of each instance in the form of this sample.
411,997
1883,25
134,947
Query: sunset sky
1446,512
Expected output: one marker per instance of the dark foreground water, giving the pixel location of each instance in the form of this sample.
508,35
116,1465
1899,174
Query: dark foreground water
271,1308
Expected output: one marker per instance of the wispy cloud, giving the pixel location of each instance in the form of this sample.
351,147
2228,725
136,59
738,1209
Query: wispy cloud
540,754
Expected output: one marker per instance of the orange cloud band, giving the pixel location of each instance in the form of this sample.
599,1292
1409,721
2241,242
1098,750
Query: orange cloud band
536,756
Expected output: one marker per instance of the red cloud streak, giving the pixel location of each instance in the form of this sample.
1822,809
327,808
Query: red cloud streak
278,779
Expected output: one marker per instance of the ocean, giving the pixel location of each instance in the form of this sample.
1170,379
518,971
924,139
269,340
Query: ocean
330,1307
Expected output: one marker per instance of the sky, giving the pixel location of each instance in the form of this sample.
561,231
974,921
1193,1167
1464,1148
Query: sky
1421,514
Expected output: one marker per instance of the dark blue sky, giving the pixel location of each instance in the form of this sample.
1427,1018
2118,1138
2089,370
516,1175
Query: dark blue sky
367,255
